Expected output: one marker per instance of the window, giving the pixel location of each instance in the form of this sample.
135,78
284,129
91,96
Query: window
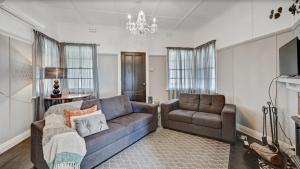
192,70
180,69
80,68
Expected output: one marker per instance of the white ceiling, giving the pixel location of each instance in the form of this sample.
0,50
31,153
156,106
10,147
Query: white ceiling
171,14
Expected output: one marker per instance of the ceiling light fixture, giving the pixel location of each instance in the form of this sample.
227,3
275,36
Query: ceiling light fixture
141,26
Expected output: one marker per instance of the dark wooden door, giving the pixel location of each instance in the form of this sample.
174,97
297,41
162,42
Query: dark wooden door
133,68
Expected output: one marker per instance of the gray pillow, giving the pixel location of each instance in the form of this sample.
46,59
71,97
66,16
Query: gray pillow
90,125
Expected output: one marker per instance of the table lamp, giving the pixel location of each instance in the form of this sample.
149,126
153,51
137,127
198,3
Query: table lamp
54,73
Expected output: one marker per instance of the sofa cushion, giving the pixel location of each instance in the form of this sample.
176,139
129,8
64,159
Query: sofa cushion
90,103
189,101
211,103
99,140
134,121
115,107
181,115
207,119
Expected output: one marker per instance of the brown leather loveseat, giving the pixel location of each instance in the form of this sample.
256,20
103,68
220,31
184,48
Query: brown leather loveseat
205,115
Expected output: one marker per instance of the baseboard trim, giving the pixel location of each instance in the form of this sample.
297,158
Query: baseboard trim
14,141
257,135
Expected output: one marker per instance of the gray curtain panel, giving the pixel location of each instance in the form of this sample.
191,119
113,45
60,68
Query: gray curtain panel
191,70
45,54
205,69
180,71
80,62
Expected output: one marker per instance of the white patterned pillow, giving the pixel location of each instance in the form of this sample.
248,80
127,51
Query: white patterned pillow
89,125
72,118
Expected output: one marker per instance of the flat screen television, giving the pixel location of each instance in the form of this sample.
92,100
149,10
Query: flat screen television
289,59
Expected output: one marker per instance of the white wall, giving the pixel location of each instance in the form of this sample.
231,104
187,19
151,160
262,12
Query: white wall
158,77
114,40
244,74
246,20
16,106
108,74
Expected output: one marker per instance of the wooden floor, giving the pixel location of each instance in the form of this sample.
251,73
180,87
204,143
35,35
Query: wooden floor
19,157
240,158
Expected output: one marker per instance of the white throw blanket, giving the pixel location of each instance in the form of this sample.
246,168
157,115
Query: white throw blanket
63,148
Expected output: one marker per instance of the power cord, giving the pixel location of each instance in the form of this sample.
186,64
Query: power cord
275,105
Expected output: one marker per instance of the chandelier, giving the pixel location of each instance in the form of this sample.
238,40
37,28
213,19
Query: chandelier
141,26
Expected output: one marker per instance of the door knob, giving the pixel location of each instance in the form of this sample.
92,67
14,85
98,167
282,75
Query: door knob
144,84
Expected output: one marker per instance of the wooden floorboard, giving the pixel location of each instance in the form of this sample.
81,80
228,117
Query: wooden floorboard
19,157
240,158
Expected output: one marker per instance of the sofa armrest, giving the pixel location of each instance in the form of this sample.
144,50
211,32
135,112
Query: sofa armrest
38,125
139,107
228,117
167,107
37,157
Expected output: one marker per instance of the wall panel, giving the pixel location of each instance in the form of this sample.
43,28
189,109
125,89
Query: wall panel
108,74
244,74
15,87
21,86
158,77
4,88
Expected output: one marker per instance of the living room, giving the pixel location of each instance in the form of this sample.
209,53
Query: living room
172,84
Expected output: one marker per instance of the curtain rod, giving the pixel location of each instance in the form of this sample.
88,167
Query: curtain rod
36,31
72,43
212,41
179,47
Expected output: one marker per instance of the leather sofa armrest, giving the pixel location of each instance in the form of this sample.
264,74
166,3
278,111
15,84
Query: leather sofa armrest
228,116
167,107
139,107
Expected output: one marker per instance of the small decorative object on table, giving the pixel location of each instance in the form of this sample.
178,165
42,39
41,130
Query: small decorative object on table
56,92
54,73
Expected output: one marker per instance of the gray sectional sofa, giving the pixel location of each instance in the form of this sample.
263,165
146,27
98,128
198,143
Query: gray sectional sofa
128,122
205,115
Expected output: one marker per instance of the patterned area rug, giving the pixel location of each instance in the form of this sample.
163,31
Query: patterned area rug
168,149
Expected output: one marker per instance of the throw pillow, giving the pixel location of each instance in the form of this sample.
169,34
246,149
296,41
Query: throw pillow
90,125
72,118
69,113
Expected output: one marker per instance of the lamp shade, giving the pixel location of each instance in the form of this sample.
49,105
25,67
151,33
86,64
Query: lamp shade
53,73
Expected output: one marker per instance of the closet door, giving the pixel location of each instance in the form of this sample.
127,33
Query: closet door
133,68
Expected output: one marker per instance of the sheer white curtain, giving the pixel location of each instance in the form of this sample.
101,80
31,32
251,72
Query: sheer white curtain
180,71
51,58
80,60
205,69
